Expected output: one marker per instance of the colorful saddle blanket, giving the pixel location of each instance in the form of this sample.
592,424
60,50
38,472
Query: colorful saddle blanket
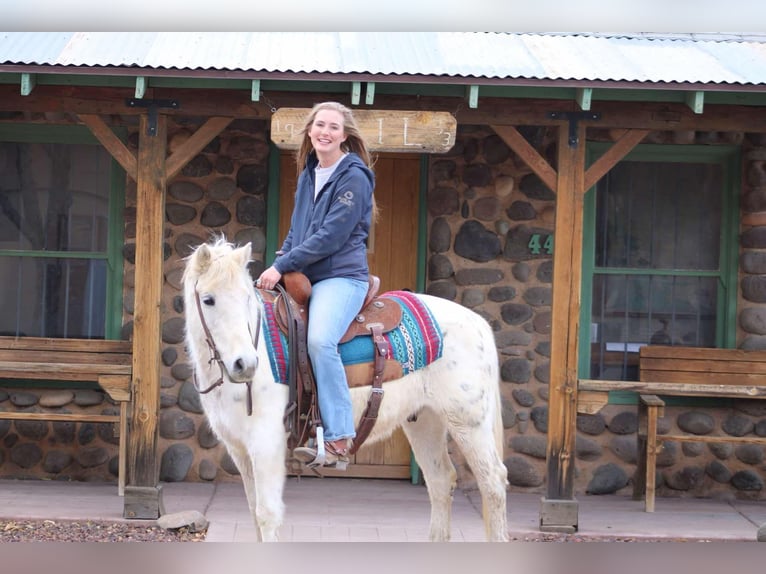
415,343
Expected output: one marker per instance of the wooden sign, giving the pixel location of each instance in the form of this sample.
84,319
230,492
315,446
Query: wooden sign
382,130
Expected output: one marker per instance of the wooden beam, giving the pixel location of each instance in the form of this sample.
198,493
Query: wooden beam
107,101
28,82
143,467
112,143
537,163
195,144
565,311
614,154
583,98
655,116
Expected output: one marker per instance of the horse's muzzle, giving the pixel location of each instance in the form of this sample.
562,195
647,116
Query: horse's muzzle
243,370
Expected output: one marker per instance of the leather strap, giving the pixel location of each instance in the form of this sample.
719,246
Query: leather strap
370,414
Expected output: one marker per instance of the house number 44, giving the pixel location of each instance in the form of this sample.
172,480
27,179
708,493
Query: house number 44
538,243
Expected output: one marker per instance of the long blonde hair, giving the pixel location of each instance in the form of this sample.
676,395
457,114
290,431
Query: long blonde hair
354,140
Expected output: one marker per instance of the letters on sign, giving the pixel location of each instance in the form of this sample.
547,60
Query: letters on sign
383,130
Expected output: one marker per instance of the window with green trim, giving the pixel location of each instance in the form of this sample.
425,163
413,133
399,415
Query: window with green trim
659,256
61,229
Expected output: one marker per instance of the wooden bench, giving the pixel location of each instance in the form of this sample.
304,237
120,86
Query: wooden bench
679,371
60,362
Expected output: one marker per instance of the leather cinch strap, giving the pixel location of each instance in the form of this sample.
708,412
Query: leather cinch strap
370,414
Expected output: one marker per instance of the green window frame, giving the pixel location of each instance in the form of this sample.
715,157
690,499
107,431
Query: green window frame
112,254
728,158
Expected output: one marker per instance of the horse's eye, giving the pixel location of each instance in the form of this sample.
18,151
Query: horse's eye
208,300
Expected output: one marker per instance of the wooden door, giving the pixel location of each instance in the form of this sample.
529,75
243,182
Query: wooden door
392,256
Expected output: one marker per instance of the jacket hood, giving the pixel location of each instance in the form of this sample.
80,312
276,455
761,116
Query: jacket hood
349,160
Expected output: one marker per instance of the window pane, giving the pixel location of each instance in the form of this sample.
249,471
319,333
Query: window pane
54,197
657,215
47,297
633,310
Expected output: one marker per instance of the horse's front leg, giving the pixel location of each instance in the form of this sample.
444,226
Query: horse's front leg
269,485
239,454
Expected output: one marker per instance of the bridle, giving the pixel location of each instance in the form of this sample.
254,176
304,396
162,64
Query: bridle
215,356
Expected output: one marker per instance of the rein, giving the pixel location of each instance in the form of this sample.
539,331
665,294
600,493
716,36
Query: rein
215,356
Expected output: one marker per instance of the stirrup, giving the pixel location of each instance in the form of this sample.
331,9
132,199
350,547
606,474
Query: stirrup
314,457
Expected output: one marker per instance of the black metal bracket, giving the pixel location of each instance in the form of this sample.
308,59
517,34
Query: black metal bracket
152,106
574,118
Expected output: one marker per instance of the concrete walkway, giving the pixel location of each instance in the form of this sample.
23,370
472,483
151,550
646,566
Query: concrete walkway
347,509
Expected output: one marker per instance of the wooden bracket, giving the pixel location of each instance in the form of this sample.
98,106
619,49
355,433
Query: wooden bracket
574,119
152,106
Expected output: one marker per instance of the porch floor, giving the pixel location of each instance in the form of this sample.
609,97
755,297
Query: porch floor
368,510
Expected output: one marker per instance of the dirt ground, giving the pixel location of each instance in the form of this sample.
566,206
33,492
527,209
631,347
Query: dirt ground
90,531
94,531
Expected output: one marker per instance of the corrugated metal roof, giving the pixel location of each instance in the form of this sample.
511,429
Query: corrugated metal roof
686,58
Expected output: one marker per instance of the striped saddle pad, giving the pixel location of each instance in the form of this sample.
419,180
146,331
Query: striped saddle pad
416,342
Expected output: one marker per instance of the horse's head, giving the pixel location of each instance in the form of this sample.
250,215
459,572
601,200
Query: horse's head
221,309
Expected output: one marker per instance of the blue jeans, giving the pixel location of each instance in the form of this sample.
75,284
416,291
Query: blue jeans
333,305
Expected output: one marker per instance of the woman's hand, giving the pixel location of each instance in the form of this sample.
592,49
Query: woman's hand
268,279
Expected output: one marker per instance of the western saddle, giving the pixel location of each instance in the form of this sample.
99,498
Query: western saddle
377,316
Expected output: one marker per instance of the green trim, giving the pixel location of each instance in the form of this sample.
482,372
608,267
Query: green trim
28,82
115,242
457,90
414,87
272,207
730,249
422,223
415,474
588,265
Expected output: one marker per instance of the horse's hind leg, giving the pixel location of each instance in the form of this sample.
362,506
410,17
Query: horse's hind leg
428,439
477,444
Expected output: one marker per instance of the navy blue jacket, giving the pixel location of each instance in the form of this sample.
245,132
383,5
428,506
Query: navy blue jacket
329,238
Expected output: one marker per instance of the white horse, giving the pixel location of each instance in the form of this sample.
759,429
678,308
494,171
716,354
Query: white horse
456,394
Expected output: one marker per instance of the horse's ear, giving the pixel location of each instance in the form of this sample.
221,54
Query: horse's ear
244,253
202,258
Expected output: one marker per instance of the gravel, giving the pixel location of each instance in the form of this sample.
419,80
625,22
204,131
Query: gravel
99,531
91,531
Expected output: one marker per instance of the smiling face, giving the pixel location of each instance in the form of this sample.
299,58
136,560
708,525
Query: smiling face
327,135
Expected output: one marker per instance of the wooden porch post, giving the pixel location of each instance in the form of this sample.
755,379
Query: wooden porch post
559,508
143,495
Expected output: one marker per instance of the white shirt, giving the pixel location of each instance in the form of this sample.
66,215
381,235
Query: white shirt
322,174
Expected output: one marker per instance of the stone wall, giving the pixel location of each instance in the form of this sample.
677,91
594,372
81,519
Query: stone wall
484,206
